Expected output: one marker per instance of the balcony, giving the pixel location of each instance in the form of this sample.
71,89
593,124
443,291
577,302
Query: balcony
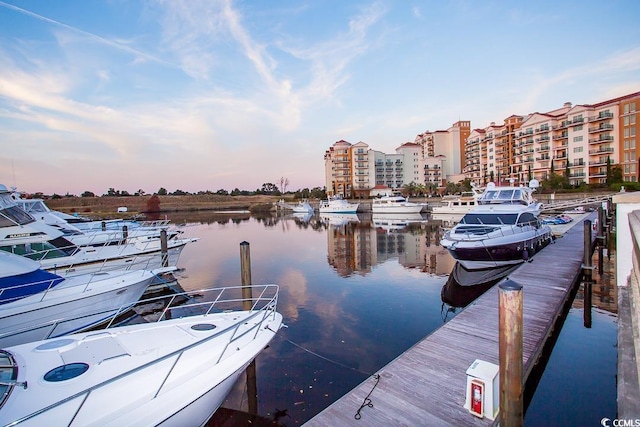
545,157
603,127
602,116
601,150
563,135
601,139
542,148
578,175
597,162
543,138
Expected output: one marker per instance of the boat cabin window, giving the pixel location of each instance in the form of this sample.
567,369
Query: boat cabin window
488,218
526,218
13,215
57,248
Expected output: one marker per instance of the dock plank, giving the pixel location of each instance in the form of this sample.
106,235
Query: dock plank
426,384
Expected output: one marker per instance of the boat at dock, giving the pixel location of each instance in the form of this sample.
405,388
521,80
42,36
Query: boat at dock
457,204
395,204
503,229
36,304
173,372
336,204
22,234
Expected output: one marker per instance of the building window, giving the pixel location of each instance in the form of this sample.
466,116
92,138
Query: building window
578,149
577,128
629,120
577,138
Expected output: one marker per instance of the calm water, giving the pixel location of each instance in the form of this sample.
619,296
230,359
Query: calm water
355,295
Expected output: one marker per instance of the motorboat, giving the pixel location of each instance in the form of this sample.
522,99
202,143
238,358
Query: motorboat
303,206
458,204
336,204
395,204
85,232
22,234
173,372
503,229
36,304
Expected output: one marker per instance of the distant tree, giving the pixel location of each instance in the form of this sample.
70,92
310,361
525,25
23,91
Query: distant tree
616,175
235,192
318,193
529,174
56,196
269,188
153,204
609,179
140,192
111,192
125,193
162,191
283,183
87,194
179,193
491,176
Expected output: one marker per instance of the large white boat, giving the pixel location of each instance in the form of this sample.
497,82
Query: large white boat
458,204
21,234
336,204
83,232
175,372
503,229
395,204
36,304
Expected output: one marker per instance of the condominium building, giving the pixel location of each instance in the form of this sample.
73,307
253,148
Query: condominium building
574,141
353,170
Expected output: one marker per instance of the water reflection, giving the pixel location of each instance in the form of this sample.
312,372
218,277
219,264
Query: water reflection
357,292
465,286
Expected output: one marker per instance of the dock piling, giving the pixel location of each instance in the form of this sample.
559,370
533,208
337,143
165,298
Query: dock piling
125,233
164,248
247,303
510,316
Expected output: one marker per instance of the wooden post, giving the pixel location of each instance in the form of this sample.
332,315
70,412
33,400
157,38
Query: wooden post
586,259
164,248
510,354
245,275
587,303
125,233
104,226
600,238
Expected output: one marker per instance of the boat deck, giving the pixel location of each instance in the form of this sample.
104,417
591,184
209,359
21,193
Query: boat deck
426,384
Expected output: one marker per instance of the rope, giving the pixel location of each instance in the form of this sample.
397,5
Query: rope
367,401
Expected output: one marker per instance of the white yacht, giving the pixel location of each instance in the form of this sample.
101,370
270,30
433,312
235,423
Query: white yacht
503,229
174,372
336,204
21,234
395,204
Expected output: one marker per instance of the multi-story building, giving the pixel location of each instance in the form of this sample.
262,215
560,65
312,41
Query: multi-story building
579,142
575,141
353,170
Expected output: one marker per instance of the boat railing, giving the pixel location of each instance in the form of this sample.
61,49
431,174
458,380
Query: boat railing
481,231
263,307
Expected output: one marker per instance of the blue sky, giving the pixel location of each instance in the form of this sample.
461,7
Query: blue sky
207,95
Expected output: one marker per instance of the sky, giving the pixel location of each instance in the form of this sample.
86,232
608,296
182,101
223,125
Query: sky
198,95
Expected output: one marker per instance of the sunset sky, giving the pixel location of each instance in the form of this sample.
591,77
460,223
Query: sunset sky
206,95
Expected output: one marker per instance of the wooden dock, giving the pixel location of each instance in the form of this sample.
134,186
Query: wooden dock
426,384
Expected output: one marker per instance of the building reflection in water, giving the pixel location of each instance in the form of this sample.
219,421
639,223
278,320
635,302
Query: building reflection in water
357,243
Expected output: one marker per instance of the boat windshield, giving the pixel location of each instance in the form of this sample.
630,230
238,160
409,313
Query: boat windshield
489,218
8,375
13,215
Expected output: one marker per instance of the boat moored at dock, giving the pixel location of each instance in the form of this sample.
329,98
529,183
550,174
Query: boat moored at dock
503,229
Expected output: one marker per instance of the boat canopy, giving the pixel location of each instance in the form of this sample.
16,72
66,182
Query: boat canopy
473,218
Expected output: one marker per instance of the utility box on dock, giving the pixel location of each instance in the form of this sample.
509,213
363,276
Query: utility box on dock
483,389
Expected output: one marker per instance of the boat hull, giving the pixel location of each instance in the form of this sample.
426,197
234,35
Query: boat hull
66,310
492,252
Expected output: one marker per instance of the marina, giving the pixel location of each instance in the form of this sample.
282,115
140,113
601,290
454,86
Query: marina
360,257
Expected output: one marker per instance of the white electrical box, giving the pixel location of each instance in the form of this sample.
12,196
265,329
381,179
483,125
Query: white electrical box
483,389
